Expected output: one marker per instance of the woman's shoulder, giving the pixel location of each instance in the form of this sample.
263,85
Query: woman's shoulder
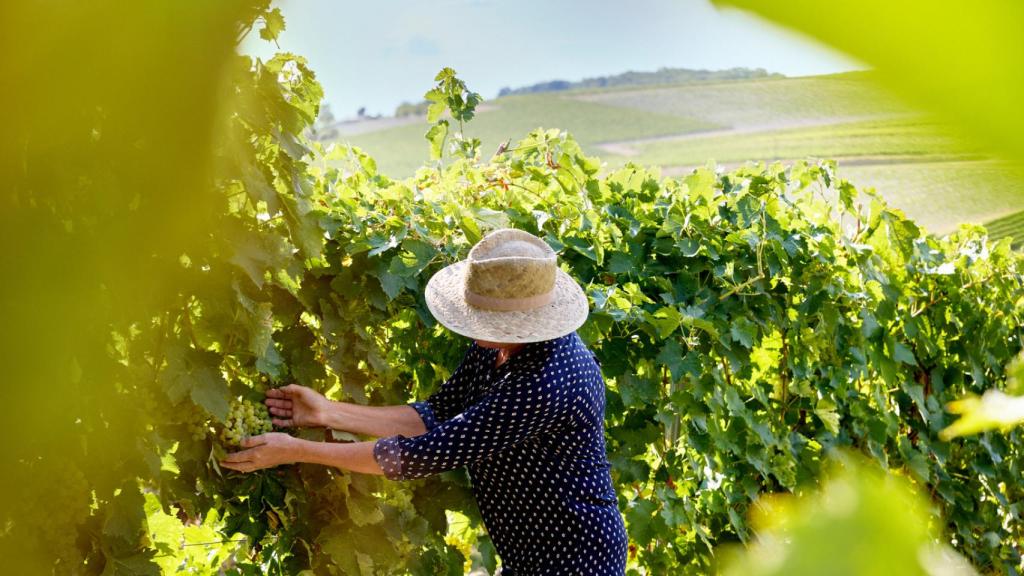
556,357
571,347
475,353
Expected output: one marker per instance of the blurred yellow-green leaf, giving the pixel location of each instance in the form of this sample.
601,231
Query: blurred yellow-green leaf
962,60
994,409
862,522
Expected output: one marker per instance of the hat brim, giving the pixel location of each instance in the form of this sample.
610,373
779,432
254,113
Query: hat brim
566,312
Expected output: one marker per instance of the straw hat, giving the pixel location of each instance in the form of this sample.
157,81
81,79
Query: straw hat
509,289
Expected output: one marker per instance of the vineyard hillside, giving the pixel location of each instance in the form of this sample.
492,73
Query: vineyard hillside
916,163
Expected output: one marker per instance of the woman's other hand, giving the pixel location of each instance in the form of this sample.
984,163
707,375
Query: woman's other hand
295,405
264,451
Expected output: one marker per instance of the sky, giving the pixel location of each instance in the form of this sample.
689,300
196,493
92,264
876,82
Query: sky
379,53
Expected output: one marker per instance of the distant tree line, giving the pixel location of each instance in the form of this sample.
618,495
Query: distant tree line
631,78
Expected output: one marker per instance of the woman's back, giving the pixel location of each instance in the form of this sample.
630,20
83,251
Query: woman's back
536,455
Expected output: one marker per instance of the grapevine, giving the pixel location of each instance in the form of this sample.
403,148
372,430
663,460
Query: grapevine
743,332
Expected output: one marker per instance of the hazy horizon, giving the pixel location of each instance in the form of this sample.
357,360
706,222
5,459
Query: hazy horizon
378,55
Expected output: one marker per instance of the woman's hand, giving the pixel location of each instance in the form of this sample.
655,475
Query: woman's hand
295,405
264,451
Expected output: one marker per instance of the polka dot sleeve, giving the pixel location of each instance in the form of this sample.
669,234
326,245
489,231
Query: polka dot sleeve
450,399
426,413
524,406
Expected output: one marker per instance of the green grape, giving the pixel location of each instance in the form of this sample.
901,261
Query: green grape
245,419
197,426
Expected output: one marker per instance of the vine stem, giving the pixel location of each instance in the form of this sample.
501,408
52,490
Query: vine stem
735,289
784,377
519,148
538,197
941,296
187,316
672,434
760,266
158,362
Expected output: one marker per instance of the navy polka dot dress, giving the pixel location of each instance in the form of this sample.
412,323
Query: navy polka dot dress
531,433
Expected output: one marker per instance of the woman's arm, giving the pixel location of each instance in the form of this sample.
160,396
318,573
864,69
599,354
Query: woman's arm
295,405
525,405
408,420
376,421
275,448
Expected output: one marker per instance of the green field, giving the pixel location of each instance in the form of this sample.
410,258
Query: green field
910,137
400,150
767,102
1011,226
915,163
942,194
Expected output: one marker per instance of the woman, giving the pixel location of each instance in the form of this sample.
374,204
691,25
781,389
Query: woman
524,412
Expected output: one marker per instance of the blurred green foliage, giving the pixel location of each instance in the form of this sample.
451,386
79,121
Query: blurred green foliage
861,522
994,409
112,117
961,60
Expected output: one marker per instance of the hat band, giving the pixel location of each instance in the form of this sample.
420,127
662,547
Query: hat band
509,304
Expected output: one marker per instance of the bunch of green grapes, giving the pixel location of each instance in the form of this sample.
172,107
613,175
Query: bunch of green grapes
464,548
49,513
245,419
197,425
